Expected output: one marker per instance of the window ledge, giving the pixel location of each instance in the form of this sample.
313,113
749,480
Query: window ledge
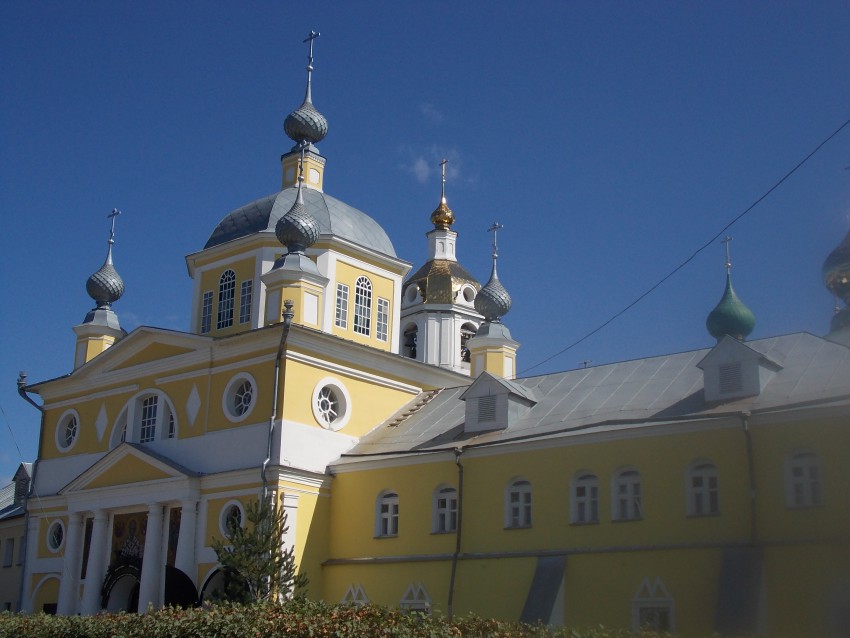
385,536
513,527
626,520
706,515
443,533
584,523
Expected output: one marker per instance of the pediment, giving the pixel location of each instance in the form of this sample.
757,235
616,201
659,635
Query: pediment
127,464
487,384
730,350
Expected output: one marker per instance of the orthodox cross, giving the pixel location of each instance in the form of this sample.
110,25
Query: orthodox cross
313,35
496,227
443,167
115,212
726,240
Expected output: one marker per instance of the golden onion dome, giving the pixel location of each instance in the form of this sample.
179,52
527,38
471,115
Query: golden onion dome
443,217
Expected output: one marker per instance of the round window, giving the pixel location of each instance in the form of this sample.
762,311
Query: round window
67,430
55,536
231,517
331,403
469,294
240,397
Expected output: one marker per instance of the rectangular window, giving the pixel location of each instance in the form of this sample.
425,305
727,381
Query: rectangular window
206,312
341,319
731,379
383,319
389,518
487,408
9,552
147,431
21,549
245,298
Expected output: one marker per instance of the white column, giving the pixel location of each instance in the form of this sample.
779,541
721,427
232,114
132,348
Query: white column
152,559
69,585
96,568
185,559
33,524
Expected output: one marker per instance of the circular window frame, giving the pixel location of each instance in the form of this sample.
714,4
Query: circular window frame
61,425
344,398
50,531
222,517
468,294
229,395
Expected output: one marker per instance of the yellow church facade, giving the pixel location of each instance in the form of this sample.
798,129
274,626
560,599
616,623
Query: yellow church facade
700,491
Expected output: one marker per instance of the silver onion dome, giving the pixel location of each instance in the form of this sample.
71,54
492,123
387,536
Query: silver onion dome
305,125
493,300
297,229
106,286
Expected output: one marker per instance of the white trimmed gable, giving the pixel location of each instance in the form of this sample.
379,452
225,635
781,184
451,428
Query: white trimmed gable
493,403
732,370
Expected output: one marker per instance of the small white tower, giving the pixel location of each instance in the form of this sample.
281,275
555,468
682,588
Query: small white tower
438,313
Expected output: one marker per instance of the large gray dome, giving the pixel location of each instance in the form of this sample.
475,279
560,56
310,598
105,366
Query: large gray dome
333,216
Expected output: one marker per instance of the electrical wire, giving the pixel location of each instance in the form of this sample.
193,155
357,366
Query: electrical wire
693,255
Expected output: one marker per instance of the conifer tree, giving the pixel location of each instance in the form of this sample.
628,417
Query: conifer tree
255,563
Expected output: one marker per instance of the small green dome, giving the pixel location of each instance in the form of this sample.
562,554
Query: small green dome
730,316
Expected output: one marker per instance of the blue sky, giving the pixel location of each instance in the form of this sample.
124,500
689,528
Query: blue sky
611,139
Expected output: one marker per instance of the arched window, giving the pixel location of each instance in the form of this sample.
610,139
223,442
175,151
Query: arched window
147,417
444,510
386,515
226,298
363,306
584,498
518,504
701,486
626,496
802,480
467,331
411,334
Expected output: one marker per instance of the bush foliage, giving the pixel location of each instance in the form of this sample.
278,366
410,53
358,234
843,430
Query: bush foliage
293,619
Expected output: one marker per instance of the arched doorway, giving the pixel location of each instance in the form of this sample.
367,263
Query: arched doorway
121,589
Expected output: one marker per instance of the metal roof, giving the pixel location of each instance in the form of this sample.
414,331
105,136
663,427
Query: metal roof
333,216
621,394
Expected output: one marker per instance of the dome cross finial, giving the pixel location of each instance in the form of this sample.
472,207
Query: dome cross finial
443,190
495,228
730,316
305,125
493,300
443,217
106,286
313,35
728,240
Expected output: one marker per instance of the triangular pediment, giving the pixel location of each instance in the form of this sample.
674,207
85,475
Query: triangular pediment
127,464
487,384
730,350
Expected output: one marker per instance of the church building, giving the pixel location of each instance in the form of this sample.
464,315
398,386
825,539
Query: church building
699,491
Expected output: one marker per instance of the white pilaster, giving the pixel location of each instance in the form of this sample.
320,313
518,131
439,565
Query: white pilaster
149,591
96,567
185,559
69,585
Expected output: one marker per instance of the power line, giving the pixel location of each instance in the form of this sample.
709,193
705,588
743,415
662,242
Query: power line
708,243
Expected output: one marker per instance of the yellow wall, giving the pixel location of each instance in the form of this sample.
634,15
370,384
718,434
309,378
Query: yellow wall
48,592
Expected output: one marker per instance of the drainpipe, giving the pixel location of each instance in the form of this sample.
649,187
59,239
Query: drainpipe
745,422
22,390
458,452
287,324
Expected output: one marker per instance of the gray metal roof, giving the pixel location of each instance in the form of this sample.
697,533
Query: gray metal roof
613,396
334,217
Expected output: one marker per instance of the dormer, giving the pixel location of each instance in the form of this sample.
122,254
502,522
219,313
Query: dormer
732,370
22,483
494,404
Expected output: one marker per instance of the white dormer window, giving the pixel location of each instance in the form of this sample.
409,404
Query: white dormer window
493,403
734,370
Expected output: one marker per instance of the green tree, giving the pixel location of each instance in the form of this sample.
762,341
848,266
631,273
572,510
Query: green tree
255,563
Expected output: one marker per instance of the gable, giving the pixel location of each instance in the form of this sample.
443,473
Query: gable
153,352
127,464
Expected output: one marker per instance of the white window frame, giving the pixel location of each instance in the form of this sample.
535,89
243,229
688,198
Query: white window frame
226,299
518,504
653,596
68,422
363,306
224,515
150,417
627,495
416,598
444,509
342,408
130,419
230,398
52,529
246,300
386,514
355,595
206,312
382,323
341,316
803,480
702,487
584,498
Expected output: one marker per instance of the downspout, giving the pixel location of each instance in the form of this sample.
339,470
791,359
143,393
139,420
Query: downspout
450,606
287,324
745,422
22,390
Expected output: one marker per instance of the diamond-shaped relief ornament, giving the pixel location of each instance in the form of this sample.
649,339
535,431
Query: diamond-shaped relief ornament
100,422
193,404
